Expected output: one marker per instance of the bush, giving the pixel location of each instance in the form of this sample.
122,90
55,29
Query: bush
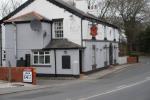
134,53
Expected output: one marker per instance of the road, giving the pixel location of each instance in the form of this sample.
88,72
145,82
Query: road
131,83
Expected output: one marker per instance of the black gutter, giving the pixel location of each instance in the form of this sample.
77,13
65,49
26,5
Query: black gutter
63,48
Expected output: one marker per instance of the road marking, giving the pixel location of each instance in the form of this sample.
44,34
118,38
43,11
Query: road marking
117,89
122,86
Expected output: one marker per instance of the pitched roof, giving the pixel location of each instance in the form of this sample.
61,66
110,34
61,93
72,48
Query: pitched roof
62,44
66,6
28,17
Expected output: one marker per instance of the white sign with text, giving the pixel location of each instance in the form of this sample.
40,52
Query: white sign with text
27,76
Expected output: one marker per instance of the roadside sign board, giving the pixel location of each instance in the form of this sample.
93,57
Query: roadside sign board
27,75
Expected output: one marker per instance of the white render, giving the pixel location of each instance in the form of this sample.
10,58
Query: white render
74,62
123,60
27,40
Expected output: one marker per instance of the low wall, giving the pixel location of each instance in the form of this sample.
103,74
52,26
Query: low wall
16,74
122,60
132,60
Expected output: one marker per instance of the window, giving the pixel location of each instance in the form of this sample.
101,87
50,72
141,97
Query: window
41,57
58,28
4,55
66,64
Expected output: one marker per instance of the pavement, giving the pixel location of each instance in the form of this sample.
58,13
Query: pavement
43,83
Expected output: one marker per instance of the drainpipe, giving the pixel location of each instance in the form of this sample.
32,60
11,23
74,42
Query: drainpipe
55,63
1,43
81,59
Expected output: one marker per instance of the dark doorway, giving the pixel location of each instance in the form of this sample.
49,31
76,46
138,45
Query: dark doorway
66,62
111,54
27,60
80,59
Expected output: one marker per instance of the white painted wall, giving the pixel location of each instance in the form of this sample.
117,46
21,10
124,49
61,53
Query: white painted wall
74,54
115,53
49,69
122,60
101,55
10,46
3,43
82,5
110,33
72,23
27,39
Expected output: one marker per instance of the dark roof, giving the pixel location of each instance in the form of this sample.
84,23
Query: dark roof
28,17
67,7
62,44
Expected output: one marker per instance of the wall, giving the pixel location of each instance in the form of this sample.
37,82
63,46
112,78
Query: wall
122,60
74,62
26,41
50,69
72,25
10,46
47,69
102,55
115,53
110,33
16,74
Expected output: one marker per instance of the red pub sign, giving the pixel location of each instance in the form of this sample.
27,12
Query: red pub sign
94,30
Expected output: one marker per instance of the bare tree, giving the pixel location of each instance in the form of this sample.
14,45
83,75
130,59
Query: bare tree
8,6
132,13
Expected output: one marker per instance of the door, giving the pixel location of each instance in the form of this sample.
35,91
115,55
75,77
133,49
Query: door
80,59
66,62
27,60
111,54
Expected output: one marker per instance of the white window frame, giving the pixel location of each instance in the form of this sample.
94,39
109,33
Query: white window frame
38,55
58,28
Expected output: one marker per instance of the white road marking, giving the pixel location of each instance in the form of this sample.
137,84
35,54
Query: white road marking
117,89
122,86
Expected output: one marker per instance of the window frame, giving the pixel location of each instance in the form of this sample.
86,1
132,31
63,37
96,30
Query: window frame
58,28
45,53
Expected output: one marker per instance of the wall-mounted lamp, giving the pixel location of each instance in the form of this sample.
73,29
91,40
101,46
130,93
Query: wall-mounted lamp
65,52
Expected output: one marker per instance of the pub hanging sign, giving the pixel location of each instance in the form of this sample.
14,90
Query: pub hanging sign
93,31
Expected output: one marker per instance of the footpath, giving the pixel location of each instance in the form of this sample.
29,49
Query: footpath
43,83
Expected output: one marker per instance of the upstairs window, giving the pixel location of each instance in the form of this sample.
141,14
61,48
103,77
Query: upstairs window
58,28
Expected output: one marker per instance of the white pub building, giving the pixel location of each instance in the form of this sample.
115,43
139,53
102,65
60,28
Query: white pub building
58,38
